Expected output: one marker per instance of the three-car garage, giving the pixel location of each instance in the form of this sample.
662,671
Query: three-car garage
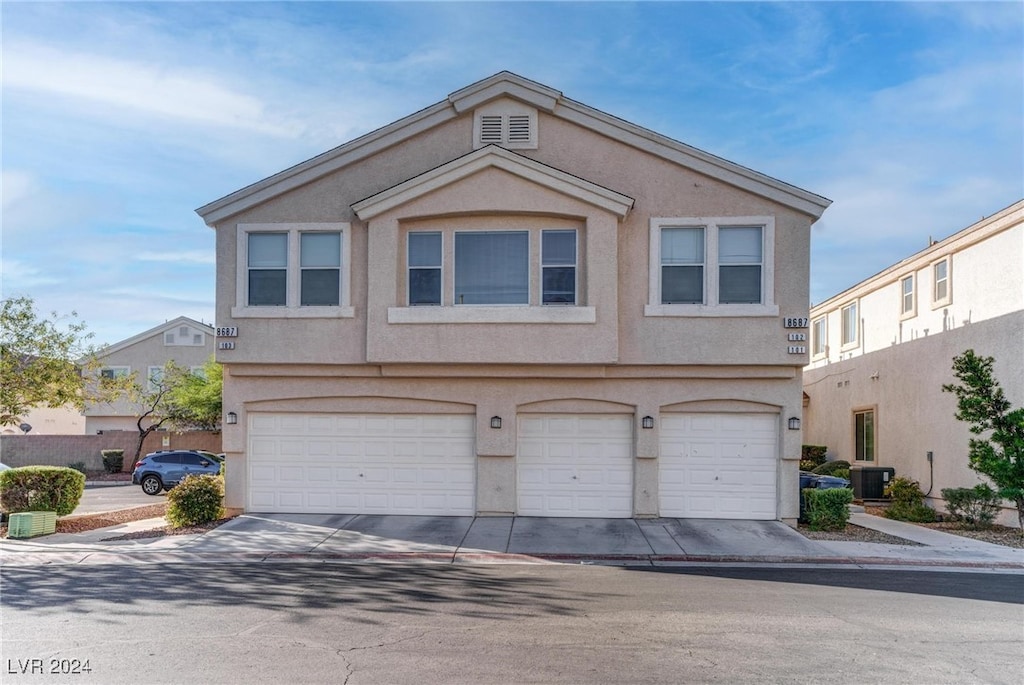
710,465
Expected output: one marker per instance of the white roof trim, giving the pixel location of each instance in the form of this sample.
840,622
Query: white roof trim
499,158
145,335
506,84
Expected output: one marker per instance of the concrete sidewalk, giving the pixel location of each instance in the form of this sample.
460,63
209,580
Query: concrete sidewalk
450,539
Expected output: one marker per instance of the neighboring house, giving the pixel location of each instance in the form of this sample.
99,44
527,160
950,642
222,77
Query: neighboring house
184,341
881,351
512,303
65,420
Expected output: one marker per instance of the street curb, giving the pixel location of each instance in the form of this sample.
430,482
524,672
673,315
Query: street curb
89,484
89,557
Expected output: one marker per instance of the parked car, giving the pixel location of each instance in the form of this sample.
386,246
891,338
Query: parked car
211,455
4,467
159,471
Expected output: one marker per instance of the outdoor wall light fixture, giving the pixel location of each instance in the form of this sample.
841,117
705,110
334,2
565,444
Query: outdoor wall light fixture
231,419
794,423
647,422
495,422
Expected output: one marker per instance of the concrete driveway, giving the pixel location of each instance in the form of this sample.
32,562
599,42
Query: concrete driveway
447,535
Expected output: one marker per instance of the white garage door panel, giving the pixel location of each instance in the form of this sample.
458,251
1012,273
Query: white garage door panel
718,466
575,466
373,464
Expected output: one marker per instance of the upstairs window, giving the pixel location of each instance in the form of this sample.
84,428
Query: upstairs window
320,263
424,268
712,266
268,269
293,270
739,259
907,295
682,265
849,325
155,378
492,267
941,294
558,267
819,336
112,372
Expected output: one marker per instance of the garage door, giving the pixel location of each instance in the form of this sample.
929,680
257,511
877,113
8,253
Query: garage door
362,464
718,466
575,466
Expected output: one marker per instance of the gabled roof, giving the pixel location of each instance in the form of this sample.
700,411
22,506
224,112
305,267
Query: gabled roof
495,157
507,84
156,330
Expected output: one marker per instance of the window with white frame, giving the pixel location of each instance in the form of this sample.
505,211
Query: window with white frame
907,295
819,336
425,258
864,435
940,282
558,267
154,378
849,324
112,372
720,266
299,269
492,267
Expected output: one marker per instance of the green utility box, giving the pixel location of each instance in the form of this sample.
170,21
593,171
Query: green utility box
29,524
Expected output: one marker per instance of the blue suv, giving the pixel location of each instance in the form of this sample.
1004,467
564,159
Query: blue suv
159,471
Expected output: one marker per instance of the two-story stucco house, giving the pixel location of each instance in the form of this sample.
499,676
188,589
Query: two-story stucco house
881,351
512,303
184,341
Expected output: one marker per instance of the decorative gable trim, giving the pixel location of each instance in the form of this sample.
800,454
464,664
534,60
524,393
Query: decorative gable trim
168,327
506,84
499,158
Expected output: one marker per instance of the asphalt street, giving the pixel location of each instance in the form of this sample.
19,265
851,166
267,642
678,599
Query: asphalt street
111,498
425,624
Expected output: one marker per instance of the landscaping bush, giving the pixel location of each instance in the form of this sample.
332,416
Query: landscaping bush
113,460
195,500
78,466
977,506
907,502
828,509
812,456
830,468
41,488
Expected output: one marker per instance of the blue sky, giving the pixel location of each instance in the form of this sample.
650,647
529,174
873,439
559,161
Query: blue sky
120,119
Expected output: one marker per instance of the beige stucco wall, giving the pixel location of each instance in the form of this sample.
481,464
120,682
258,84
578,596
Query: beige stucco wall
139,357
304,390
621,362
912,415
52,421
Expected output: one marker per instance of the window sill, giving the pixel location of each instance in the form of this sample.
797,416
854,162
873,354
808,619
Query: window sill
701,310
293,312
484,314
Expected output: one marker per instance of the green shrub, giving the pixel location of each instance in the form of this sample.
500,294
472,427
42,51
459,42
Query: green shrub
113,460
195,500
977,506
77,466
828,509
812,456
41,488
829,468
907,501
842,473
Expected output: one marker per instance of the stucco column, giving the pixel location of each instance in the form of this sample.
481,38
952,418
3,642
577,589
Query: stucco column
496,460
645,464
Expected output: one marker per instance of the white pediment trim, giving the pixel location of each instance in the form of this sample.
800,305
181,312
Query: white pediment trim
493,157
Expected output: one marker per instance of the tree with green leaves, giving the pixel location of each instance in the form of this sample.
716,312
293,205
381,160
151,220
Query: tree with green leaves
41,360
982,404
173,398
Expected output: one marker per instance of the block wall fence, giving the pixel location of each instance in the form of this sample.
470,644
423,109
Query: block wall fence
61,450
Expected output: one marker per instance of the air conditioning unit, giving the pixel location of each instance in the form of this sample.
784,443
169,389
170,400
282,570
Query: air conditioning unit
869,481
29,524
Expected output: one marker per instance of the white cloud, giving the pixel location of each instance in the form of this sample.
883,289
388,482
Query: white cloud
179,257
162,90
19,276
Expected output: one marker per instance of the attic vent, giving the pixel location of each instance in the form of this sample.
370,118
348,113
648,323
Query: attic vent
490,130
183,331
197,339
508,124
168,338
519,128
